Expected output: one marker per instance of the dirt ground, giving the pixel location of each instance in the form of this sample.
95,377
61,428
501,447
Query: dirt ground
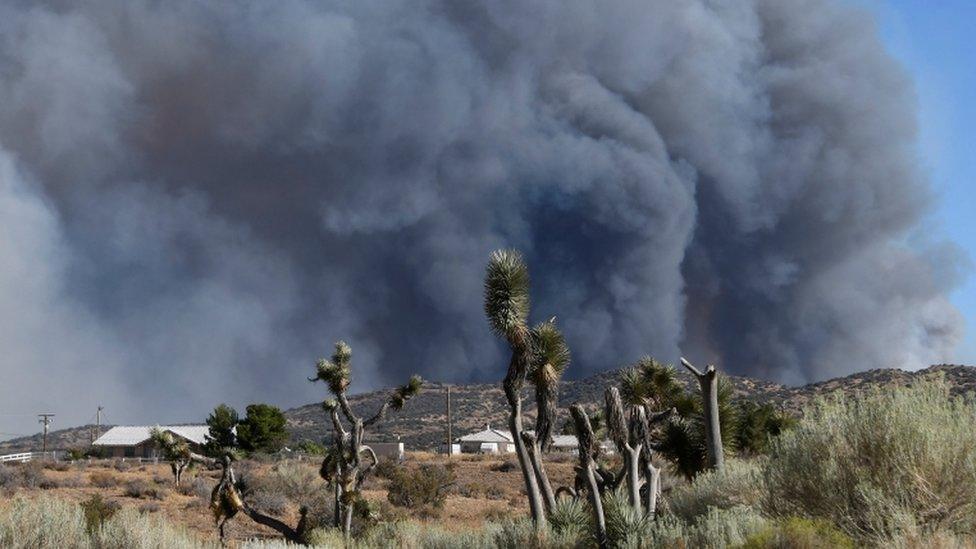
486,488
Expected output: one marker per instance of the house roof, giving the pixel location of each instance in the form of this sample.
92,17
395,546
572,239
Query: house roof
133,435
488,435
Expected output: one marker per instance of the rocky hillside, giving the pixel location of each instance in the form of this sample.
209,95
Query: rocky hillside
422,423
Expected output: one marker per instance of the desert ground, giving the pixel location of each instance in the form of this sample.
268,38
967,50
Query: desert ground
487,488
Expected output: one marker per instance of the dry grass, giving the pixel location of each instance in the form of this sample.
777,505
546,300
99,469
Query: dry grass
486,489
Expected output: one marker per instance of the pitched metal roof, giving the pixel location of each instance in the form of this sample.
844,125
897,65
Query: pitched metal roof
133,435
488,435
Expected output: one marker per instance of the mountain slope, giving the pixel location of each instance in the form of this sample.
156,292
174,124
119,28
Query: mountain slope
422,422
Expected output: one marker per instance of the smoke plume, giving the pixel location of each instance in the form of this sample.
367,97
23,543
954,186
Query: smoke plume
198,198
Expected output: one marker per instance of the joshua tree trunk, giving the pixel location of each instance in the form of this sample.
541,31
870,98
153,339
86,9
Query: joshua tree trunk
535,454
632,457
628,443
653,486
708,383
513,386
587,469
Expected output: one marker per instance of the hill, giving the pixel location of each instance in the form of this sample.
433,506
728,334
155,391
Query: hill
422,423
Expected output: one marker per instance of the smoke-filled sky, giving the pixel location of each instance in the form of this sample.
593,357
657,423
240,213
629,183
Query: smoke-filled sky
198,198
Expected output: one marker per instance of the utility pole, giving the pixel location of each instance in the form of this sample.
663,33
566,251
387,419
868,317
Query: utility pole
45,420
98,426
450,439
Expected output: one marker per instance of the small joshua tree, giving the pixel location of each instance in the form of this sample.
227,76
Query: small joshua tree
344,466
538,353
177,452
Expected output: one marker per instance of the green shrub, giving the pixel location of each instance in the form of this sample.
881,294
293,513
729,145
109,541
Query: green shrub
96,511
311,448
386,468
130,529
799,533
31,474
737,485
42,523
296,481
139,488
717,528
9,479
422,487
75,454
102,479
880,466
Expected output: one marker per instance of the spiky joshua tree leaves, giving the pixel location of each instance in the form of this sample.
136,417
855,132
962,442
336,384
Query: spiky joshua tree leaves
344,466
539,355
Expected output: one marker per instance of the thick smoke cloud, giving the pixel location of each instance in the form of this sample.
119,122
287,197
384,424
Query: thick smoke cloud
198,198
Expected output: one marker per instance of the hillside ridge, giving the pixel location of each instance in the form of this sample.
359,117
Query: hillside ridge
422,422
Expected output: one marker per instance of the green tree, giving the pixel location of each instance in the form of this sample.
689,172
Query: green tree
262,429
222,422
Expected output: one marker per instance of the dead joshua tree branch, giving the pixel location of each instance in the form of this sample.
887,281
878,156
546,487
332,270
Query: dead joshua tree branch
226,502
645,425
628,446
708,383
586,470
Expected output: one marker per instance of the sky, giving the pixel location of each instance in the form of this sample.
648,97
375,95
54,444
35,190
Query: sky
197,199
936,44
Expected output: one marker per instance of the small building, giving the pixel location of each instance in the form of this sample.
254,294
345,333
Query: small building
388,450
135,442
488,441
564,443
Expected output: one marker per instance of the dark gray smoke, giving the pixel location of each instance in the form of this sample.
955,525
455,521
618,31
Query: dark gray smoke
198,198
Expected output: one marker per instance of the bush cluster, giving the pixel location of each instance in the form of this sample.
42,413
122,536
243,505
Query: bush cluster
424,487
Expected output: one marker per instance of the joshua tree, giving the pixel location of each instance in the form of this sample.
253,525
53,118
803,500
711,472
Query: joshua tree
177,452
680,437
708,383
344,466
540,352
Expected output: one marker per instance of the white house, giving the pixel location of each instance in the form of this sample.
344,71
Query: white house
489,441
134,441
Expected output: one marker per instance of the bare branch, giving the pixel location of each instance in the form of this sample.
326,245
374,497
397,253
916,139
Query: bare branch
689,366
